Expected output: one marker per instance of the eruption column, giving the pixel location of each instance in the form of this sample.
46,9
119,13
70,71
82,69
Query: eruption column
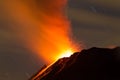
43,27
55,33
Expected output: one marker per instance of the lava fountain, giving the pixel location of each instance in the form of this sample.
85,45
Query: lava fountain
43,27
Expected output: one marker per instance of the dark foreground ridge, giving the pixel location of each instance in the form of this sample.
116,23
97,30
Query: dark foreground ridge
91,64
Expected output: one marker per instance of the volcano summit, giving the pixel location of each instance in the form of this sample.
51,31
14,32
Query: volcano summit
91,64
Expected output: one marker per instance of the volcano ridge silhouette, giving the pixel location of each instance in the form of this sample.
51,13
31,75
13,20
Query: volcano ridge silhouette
89,64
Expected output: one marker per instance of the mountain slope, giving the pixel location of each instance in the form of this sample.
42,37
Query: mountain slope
91,64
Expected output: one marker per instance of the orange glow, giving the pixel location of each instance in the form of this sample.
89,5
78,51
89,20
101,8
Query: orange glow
54,40
66,53
43,27
55,44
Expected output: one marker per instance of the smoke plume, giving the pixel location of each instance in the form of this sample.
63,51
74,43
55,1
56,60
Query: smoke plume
42,25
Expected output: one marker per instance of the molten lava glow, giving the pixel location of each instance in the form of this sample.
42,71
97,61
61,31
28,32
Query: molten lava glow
66,53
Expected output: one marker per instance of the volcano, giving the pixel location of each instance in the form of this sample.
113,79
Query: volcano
89,64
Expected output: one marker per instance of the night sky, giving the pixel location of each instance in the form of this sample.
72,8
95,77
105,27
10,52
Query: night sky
96,22
93,22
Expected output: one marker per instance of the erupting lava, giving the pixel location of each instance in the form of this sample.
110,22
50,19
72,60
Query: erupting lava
66,53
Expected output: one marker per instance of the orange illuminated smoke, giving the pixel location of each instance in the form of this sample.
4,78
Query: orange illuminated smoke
55,44
42,26
54,39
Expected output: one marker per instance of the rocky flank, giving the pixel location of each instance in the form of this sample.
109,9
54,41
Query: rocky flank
90,64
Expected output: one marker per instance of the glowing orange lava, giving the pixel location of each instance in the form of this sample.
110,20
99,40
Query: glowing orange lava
67,53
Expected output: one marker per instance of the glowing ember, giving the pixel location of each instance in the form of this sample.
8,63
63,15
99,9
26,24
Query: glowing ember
67,53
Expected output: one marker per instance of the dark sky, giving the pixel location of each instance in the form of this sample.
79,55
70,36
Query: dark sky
94,23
